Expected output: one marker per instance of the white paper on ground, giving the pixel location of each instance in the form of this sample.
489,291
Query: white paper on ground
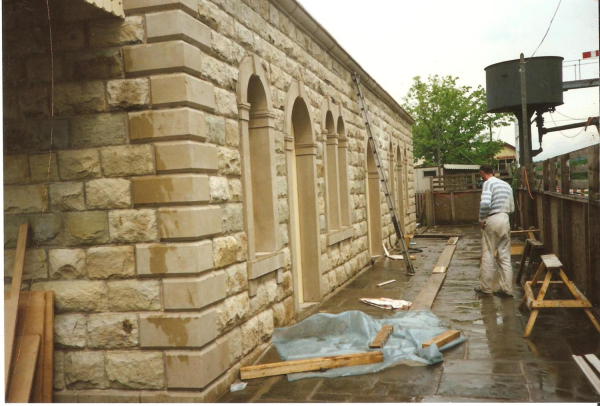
387,254
386,303
238,386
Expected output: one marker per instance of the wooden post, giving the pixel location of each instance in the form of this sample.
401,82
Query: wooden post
525,121
546,225
552,174
593,225
429,209
565,216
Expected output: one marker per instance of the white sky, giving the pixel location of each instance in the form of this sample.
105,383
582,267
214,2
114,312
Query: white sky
396,40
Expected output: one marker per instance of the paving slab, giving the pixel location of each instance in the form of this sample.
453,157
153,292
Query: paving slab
505,387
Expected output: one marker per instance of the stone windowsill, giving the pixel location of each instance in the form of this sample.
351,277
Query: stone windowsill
265,263
339,235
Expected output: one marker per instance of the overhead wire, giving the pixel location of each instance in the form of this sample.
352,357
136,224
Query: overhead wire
548,30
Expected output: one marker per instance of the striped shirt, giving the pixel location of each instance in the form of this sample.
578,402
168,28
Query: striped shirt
496,197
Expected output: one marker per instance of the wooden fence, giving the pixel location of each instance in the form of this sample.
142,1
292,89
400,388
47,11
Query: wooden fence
420,203
563,193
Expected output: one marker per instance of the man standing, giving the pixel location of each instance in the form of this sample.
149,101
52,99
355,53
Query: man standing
496,203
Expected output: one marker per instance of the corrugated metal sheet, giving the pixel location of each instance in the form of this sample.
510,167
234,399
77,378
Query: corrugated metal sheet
114,7
459,166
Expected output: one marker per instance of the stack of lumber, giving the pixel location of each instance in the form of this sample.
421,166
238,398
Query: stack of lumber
591,369
28,337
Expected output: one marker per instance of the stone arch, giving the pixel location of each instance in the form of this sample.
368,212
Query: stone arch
331,163
257,132
301,154
374,204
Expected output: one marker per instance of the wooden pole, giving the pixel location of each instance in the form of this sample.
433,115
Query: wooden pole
525,118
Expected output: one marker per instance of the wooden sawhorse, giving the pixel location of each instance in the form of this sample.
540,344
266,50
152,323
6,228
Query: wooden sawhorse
532,247
551,267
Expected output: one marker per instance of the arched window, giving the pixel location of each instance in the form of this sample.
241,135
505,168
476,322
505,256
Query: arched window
257,131
343,164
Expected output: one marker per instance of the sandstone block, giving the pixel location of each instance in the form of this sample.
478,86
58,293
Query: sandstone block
45,229
25,199
67,263
107,194
110,262
265,264
195,370
194,293
84,370
76,296
79,98
86,228
127,160
186,156
216,129
117,31
176,24
66,196
35,267
108,396
233,311
190,330
95,64
79,164
69,36
189,222
34,102
225,103
16,169
135,370
132,226
112,331
237,279
128,93
180,123
173,259
265,324
219,189
235,190
59,371
69,330
229,161
181,89
171,189
225,251
145,6
250,335
37,70
98,130
163,57
133,295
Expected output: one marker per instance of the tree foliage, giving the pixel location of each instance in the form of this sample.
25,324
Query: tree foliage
458,115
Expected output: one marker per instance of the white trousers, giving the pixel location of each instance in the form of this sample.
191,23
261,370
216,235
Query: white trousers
496,236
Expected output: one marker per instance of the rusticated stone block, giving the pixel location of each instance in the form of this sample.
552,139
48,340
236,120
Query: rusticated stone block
132,226
107,193
110,262
66,196
59,371
86,228
128,93
34,102
127,160
114,32
79,164
180,89
112,331
77,296
25,199
84,370
173,259
178,330
189,222
135,370
96,64
186,156
170,189
35,267
45,229
69,330
131,295
194,293
79,98
67,263
180,123
163,57
16,169
98,130
195,370
225,251
176,24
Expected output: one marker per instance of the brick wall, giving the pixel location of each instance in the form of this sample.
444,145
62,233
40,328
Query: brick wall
138,228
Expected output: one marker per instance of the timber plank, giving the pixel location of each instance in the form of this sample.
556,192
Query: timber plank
48,383
588,372
560,303
445,257
24,364
312,364
382,337
592,359
442,339
551,261
427,295
453,241
11,305
524,232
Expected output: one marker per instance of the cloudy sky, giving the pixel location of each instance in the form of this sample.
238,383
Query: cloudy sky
396,40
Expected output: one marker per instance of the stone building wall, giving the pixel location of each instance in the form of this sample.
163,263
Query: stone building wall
140,224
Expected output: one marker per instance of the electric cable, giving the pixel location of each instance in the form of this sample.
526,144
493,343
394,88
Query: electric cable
548,30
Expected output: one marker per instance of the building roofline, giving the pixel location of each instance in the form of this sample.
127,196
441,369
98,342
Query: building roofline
298,14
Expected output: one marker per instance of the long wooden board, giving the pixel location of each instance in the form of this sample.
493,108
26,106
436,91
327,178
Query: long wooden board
588,372
382,337
592,359
11,305
444,260
312,364
524,232
428,293
442,339
48,384
453,241
24,365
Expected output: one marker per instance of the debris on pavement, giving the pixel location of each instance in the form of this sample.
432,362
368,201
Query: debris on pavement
386,282
386,303
442,339
394,256
382,336
238,386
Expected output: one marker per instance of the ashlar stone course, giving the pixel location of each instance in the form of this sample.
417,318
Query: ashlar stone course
194,293
177,330
171,189
173,259
177,24
186,156
180,89
163,57
189,222
178,123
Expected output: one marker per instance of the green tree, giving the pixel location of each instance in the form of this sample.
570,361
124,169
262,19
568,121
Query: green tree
456,115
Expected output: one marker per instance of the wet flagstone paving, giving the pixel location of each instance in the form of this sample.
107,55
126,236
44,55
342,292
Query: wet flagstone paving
496,364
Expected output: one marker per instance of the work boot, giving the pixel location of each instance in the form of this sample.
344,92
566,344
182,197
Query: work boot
481,292
502,293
